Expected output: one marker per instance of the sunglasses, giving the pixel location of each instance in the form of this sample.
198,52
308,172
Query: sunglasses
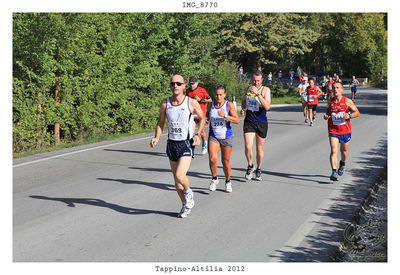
177,83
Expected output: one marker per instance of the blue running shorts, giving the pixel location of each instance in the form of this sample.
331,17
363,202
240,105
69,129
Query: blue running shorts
342,138
178,149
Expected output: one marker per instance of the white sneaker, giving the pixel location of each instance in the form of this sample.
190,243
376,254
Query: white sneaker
213,185
189,200
249,172
204,150
184,212
258,175
228,187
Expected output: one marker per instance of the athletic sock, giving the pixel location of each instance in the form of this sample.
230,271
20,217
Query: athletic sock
214,178
226,181
342,163
187,191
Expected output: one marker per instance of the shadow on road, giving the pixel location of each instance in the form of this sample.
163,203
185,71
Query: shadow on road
284,122
96,202
162,186
157,154
291,176
321,246
375,110
206,176
296,108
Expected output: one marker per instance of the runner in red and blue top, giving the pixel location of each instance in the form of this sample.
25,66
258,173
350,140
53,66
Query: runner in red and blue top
313,92
339,112
201,96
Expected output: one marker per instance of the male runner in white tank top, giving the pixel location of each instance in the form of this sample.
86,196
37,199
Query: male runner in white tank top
179,109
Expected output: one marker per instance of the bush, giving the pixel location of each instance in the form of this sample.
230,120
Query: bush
277,90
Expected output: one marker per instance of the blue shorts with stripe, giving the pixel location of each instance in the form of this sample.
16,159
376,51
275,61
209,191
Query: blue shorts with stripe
342,138
178,149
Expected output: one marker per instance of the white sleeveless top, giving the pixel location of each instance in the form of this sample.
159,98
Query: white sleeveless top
180,120
219,128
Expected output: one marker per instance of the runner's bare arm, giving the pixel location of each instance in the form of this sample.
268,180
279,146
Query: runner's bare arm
207,99
355,112
327,114
195,108
208,112
244,107
265,98
160,124
233,116
319,91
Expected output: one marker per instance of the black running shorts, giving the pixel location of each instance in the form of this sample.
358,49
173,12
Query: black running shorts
178,149
312,107
261,129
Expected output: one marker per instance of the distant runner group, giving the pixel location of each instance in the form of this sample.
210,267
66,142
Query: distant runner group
184,112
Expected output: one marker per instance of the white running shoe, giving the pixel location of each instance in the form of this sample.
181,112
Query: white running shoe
184,212
189,200
204,149
258,175
249,172
311,124
213,185
228,187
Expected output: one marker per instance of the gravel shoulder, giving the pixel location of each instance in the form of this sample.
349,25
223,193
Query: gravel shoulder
365,238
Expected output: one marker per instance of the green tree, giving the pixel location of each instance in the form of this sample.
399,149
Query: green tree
264,38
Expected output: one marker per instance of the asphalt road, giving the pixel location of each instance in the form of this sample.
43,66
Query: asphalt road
115,201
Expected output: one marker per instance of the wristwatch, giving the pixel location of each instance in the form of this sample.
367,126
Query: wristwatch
350,115
225,116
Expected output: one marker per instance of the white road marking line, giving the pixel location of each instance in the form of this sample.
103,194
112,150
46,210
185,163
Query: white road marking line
80,151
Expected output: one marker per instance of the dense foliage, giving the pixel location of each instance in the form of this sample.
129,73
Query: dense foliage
95,73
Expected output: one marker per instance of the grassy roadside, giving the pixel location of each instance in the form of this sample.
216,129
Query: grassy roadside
286,100
104,137
90,140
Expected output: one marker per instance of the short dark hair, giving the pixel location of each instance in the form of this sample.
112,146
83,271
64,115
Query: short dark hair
220,87
258,73
338,82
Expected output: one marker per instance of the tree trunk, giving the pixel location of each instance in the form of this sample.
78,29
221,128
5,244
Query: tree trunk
258,60
39,139
57,124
